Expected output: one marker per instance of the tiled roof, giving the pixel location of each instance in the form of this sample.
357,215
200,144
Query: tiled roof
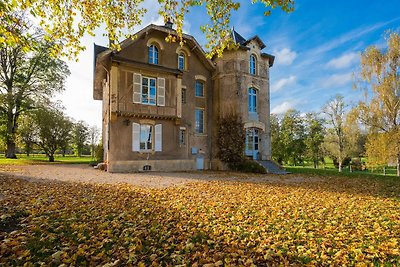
237,37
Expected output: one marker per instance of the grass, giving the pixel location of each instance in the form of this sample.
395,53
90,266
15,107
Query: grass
22,159
333,222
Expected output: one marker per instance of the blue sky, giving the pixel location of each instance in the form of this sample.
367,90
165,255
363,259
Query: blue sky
317,50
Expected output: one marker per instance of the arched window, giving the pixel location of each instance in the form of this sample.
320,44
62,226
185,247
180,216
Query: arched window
253,64
181,61
153,54
252,95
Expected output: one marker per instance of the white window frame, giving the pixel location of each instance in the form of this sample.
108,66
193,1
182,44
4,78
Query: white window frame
149,96
150,134
197,123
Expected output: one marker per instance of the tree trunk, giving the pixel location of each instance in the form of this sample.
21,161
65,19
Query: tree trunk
340,165
398,165
10,152
10,136
51,158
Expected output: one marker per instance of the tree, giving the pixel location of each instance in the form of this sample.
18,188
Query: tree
276,140
71,20
335,140
53,127
80,136
315,132
94,134
292,135
27,133
26,78
380,112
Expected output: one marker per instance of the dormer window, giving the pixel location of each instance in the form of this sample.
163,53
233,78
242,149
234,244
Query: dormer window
153,54
253,64
181,61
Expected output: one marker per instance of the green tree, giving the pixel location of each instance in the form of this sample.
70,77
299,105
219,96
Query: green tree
27,133
380,112
94,134
278,153
52,127
315,132
26,78
293,136
80,135
71,20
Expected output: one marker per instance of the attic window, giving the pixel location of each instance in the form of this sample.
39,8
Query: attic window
153,54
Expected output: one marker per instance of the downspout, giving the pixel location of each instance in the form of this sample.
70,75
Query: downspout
109,111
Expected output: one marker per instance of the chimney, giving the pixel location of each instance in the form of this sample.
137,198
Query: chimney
168,24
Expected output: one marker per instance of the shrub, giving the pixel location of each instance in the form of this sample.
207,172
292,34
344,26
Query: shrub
250,166
231,140
99,152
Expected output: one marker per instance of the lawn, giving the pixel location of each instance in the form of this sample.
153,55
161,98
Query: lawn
337,221
22,159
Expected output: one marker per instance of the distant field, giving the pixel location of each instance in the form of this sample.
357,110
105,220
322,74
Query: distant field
38,158
329,170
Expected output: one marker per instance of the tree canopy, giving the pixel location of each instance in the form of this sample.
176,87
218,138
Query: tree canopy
26,78
69,21
380,111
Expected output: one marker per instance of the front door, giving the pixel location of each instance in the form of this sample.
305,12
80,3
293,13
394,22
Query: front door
252,143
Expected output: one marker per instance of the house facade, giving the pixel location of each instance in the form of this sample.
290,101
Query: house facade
161,101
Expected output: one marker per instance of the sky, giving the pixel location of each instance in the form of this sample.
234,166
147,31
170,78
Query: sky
317,51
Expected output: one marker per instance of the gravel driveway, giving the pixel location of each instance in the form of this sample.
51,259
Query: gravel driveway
85,173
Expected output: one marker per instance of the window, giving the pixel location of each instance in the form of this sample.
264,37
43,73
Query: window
199,90
148,91
183,96
181,61
146,137
253,63
182,136
252,95
199,120
153,54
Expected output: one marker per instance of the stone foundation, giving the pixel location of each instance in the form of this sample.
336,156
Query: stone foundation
152,165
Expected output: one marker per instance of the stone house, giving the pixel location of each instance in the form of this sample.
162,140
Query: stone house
161,101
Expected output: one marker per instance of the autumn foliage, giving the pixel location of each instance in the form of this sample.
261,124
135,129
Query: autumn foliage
333,222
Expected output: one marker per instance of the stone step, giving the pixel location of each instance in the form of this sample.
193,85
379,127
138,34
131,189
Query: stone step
272,167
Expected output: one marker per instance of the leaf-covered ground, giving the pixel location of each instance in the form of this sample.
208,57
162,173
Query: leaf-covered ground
337,221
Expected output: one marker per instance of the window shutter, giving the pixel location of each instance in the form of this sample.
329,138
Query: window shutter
161,92
137,86
158,137
135,136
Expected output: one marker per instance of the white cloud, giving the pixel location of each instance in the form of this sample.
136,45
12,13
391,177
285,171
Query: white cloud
282,83
285,56
283,107
337,80
344,61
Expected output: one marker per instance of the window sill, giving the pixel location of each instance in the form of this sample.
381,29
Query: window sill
200,135
146,151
